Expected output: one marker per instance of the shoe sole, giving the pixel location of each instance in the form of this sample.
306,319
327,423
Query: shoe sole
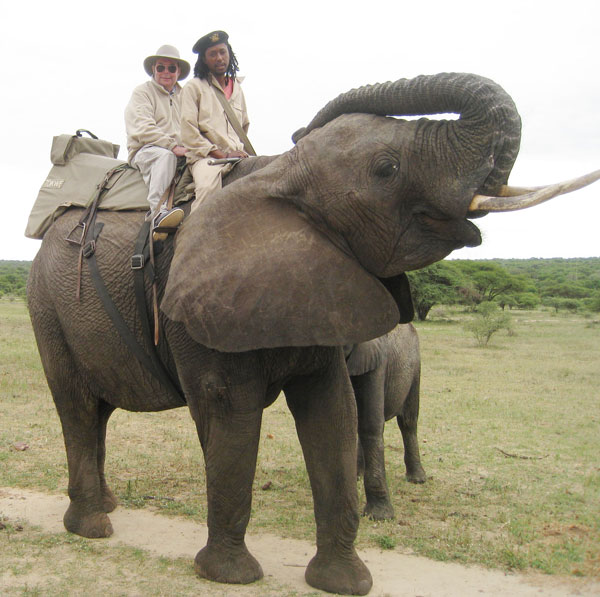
171,220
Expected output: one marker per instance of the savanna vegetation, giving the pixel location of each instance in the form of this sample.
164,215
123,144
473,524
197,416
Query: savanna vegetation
13,278
508,435
563,284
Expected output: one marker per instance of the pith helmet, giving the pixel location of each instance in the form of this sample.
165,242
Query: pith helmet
172,53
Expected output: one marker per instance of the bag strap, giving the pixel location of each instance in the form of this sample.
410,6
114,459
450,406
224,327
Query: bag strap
235,123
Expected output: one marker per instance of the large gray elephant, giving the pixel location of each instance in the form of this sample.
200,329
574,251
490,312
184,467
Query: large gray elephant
264,283
386,376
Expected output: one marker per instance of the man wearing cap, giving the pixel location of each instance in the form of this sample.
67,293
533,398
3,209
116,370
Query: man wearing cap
214,119
152,121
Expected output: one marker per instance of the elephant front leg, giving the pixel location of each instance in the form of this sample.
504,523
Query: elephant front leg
325,413
407,422
369,393
230,440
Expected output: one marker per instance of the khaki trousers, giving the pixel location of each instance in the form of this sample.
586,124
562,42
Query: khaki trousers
157,166
207,179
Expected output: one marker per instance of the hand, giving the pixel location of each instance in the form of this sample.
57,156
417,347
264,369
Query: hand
179,151
237,154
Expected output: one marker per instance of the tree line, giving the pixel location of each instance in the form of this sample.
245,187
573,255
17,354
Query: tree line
562,284
13,278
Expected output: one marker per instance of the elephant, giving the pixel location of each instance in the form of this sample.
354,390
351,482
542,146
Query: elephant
385,374
260,289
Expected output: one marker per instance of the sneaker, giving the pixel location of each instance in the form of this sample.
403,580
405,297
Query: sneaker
166,222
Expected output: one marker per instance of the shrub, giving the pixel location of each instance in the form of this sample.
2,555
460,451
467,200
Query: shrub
488,319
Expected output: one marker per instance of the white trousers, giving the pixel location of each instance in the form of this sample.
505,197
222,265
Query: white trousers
207,179
157,166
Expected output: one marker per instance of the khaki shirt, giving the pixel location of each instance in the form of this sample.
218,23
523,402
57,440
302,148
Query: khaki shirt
204,124
152,117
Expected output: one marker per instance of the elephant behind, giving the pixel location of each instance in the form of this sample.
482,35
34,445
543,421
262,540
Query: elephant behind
386,375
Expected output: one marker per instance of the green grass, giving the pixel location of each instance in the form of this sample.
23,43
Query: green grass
509,438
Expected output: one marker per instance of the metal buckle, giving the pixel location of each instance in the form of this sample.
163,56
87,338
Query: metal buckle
137,261
89,249
71,240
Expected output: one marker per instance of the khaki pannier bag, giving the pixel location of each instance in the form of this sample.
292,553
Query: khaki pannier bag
80,164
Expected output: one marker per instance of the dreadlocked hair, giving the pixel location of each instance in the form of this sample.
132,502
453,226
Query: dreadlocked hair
201,70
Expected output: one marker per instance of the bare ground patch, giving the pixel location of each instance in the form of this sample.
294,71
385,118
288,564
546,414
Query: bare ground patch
152,554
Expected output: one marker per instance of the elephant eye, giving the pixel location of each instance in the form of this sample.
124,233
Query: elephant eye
386,169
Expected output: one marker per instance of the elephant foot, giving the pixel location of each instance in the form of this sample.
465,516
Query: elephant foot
343,574
416,475
109,500
380,509
93,526
233,565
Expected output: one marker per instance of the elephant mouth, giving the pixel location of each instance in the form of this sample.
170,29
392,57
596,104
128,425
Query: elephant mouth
455,233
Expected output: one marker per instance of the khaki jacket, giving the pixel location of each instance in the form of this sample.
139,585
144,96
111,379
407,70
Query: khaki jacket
152,117
204,124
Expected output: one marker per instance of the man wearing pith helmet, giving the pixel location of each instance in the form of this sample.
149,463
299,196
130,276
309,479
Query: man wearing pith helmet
214,119
152,120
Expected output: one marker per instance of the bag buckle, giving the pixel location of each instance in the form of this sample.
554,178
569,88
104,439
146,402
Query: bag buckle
137,261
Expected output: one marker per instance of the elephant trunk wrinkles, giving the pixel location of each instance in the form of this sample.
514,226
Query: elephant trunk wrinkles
488,116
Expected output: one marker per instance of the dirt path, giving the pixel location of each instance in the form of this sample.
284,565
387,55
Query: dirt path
283,560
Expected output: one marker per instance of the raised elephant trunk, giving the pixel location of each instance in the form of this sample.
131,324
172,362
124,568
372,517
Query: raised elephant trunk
489,123
488,120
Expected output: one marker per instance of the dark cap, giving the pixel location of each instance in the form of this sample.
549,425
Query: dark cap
210,39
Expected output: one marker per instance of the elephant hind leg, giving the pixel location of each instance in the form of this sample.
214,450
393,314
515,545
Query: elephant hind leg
407,422
91,499
83,418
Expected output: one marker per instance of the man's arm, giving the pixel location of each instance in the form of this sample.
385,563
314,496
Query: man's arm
192,138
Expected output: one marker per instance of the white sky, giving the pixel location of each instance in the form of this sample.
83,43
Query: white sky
69,65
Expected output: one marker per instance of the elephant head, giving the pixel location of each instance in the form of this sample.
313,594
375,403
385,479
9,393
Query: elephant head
311,249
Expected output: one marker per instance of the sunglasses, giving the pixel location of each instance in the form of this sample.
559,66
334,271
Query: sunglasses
161,67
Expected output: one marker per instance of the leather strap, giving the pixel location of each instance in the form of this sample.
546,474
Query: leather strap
148,358
235,123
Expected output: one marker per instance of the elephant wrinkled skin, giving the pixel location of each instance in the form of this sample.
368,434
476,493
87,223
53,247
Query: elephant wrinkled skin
267,280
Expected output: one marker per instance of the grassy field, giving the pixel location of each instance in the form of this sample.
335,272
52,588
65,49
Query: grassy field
509,438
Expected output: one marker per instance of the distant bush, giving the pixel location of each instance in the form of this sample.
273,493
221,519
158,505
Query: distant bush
566,304
488,320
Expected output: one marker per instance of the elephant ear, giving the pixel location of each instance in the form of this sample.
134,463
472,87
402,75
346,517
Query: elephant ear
255,273
366,356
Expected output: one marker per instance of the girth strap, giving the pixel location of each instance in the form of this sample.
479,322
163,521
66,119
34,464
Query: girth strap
148,358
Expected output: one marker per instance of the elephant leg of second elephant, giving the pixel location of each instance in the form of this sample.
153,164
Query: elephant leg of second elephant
325,414
228,421
369,393
407,422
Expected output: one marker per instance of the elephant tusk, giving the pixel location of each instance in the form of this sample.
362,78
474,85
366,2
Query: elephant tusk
515,198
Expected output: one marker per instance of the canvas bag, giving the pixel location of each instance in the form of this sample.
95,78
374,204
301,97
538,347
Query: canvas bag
80,164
